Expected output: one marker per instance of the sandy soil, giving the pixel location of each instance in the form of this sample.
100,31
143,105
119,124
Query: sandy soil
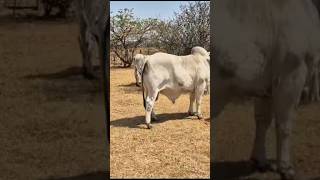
51,118
177,147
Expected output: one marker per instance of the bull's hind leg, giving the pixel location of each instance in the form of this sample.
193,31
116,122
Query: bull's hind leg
263,118
286,93
199,94
150,100
284,118
192,110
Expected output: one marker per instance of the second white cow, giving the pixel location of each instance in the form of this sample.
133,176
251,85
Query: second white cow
172,76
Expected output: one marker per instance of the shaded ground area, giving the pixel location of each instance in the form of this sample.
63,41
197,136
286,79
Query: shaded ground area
51,118
234,135
178,146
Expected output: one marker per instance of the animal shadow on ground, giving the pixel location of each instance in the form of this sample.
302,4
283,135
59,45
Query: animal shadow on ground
232,170
133,122
131,88
242,170
90,176
129,85
66,84
71,71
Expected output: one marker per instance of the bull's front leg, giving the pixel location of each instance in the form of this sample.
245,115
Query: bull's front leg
92,45
150,100
192,111
88,71
284,129
263,118
199,95
284,115
87,68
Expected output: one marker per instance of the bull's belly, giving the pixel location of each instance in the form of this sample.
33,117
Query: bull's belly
174,94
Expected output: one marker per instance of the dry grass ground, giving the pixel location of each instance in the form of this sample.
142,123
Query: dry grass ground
51,119
177,146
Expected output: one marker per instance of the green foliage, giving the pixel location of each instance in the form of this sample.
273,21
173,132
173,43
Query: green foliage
188,28
128,33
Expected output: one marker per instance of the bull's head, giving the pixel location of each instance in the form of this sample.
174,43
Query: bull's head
137,75
138,63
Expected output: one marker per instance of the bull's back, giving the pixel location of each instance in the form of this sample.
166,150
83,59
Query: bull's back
257,28
177,72
266,22
158,67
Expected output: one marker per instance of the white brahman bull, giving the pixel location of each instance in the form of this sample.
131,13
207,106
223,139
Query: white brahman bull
173,75
260,50
138,63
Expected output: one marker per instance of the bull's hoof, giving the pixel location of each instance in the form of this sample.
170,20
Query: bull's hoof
138,84
261,166
149,126
288,174
200,116
192,113
288,177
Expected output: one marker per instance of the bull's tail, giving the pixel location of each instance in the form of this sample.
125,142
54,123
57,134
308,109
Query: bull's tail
144,69
142,73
